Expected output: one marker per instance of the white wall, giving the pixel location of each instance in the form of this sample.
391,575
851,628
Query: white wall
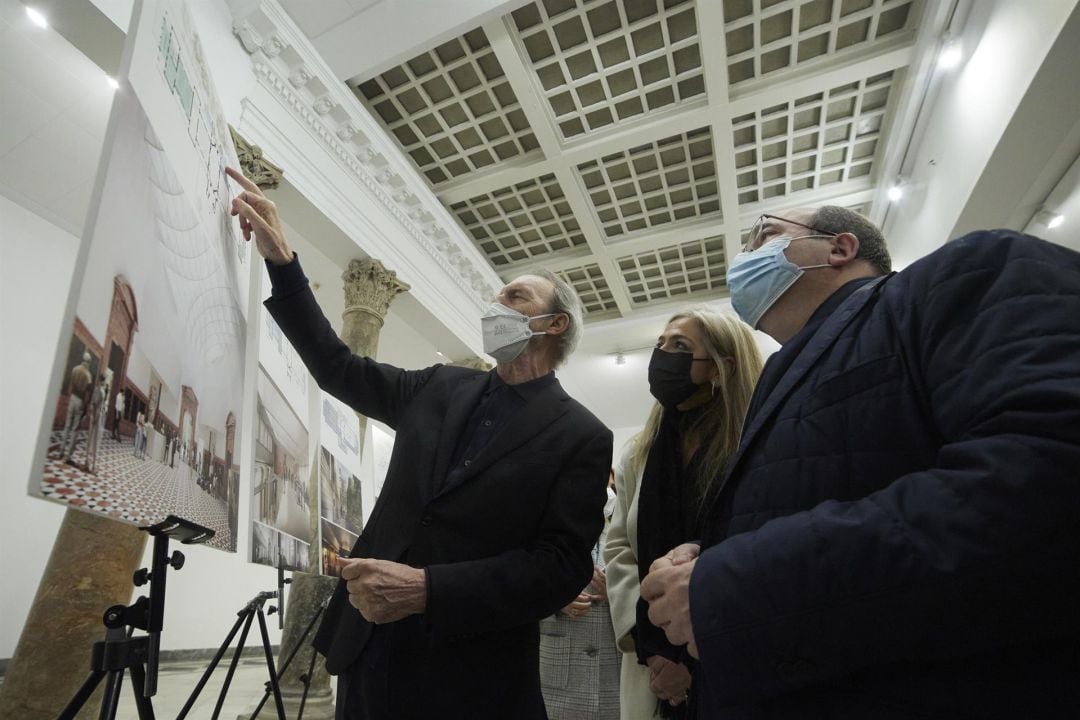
971,113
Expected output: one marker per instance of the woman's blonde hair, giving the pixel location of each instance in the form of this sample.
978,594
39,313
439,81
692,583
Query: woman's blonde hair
730,343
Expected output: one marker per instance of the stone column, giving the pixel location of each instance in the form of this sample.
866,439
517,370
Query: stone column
369,290
90,569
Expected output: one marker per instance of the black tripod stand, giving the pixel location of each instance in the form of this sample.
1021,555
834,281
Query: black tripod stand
253,609
305,678
120,651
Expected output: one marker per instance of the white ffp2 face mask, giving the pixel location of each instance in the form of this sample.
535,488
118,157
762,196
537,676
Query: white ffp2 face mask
506,332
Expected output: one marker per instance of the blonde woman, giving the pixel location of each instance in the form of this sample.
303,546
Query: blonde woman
702,374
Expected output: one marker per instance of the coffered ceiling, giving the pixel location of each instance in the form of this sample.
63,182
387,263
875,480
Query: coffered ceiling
629,144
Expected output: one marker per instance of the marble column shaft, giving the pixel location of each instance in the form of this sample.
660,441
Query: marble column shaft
90,569
369,290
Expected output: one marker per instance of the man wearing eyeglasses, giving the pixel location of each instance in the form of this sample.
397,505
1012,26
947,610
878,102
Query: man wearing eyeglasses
897,536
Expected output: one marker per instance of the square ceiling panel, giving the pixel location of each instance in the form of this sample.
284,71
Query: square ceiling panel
599,63
522,222
811,141
766,36
653,185
451,109
687,269
592,288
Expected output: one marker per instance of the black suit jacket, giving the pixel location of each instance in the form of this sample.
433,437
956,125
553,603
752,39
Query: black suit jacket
507,545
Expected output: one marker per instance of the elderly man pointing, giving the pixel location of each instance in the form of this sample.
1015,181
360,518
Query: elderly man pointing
492,502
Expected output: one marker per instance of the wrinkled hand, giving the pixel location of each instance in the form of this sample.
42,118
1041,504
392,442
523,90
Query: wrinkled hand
599,582
668,680
581,605
667,590
384,591
259,215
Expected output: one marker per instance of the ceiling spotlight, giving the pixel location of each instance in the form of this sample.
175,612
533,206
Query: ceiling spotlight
112,83
895,193
620,359
951,54
37,18
1055,221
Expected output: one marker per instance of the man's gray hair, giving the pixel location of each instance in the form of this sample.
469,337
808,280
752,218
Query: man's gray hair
872,248
565,300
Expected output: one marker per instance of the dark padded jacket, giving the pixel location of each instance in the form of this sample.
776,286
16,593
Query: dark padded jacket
899,533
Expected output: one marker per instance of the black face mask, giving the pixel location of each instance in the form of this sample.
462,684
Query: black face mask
669,377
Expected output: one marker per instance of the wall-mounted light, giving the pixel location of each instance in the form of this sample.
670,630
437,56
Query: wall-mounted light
112,83
440,354
620,359
952,52
37,18
896,192
1048,219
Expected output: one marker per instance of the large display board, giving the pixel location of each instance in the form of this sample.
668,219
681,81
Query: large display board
145,403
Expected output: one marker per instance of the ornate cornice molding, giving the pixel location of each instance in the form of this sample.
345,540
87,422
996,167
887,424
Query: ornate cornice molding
286,65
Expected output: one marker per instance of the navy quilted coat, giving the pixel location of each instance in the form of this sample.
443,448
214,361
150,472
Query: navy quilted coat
899,533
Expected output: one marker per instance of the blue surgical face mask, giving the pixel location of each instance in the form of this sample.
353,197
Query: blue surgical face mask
757,279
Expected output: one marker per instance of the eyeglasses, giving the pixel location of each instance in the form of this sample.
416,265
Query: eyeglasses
756,238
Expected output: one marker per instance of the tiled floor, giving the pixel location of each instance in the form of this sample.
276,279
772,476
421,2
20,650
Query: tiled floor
125,487
177,680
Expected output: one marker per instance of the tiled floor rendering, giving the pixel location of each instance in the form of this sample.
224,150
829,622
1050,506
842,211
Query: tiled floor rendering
142,491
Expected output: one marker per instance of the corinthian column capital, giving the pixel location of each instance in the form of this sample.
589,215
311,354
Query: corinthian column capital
370,287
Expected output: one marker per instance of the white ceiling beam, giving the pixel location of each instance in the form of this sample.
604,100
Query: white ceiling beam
547,137
890,55
678,121
714,62
391,32
508,173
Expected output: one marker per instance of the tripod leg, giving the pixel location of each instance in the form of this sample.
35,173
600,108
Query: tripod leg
111,701
307,686
288,661
210,669
81,696
142,703
250,615
270,667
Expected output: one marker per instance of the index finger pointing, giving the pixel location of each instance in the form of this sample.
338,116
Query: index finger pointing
243,181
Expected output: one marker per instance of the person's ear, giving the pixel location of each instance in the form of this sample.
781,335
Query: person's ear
845,248
559,324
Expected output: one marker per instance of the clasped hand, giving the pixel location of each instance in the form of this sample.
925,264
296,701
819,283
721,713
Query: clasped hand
384,591
667,590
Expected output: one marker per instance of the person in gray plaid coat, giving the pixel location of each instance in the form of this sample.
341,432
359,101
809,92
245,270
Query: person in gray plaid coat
579,661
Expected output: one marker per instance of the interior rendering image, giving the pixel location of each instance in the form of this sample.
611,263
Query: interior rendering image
540,359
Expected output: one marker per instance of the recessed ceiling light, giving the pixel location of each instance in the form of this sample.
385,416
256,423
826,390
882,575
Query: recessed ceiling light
1055,221
37,18
895,193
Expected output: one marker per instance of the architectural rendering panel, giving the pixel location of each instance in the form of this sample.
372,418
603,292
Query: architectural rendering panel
145,407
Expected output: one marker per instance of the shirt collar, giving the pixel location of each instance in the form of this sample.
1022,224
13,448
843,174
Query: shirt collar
526,390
